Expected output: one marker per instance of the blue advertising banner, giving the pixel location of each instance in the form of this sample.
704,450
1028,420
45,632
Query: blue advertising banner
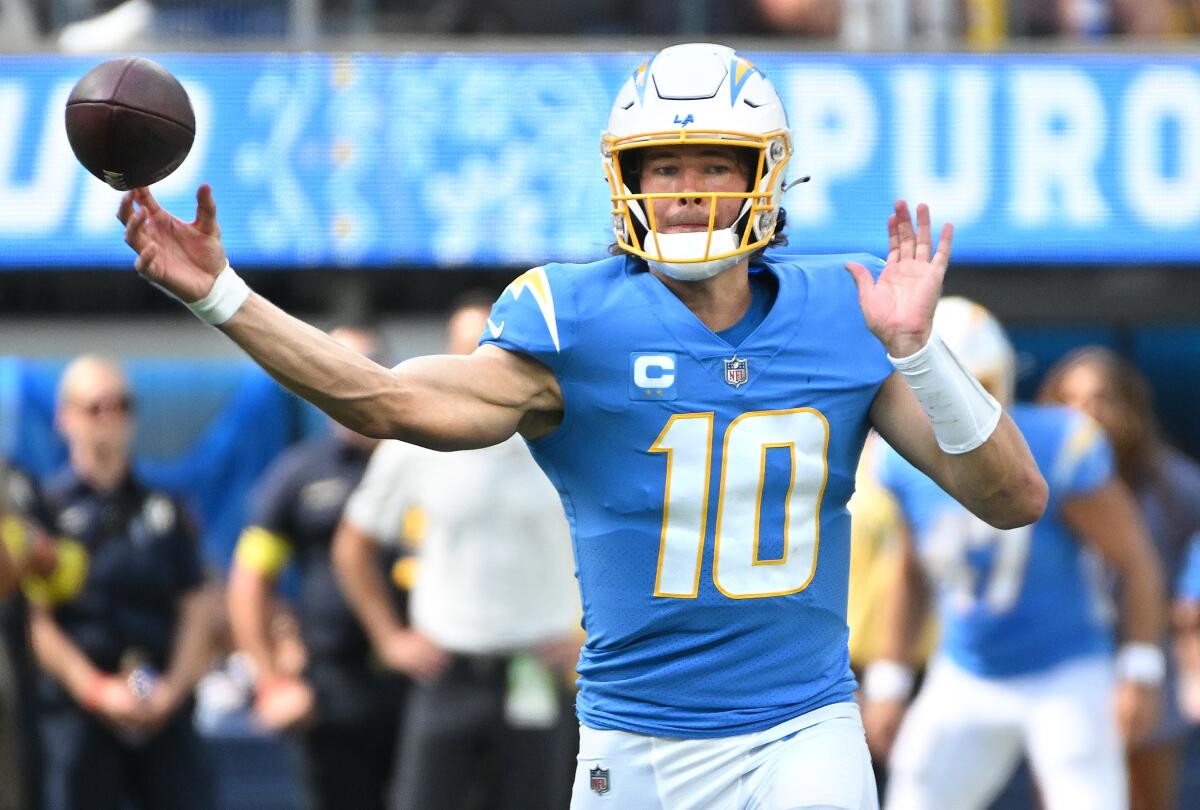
370,160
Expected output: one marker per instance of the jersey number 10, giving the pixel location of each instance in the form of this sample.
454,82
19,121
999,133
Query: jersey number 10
738,572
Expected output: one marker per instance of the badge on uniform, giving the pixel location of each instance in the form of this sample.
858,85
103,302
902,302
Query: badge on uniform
653,375
599,780
737,371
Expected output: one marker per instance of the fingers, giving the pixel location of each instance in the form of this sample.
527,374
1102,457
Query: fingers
125,209
145,260
893,240
924,247
906,243
942,257
904,227
862,277
145,199
206,210
136,228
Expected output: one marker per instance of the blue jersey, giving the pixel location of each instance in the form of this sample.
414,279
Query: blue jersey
706,488
1018,601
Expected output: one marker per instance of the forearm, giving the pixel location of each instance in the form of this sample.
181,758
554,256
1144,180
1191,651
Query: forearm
192,651
1143,609
1108,519
889,678
998,481
906,609
444,402
249,603
58,655
355,560
340,381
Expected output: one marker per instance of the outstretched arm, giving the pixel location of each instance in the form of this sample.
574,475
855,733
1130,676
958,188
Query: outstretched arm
447,403
978,457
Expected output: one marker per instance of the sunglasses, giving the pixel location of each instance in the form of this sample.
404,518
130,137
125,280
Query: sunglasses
121,405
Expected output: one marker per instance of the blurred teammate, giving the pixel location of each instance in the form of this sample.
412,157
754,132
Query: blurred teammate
1167,486
701,423
1024,664
124,641
876,556
346,706
495,612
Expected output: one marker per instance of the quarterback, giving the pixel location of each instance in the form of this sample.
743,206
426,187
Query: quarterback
700,402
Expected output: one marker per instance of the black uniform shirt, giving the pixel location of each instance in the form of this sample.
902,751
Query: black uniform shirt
143,556
299,502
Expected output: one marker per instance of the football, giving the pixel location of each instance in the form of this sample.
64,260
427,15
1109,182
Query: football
130,123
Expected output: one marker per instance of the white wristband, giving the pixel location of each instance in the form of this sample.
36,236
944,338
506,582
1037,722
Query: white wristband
226,297
1141,662
962,412
887,680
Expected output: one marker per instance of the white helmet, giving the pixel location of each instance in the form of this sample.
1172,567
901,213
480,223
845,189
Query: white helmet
978,341
704,95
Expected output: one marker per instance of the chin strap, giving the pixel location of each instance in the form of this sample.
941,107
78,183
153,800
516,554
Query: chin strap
675,248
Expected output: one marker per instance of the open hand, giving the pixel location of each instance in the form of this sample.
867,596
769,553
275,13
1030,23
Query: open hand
183,258
898,307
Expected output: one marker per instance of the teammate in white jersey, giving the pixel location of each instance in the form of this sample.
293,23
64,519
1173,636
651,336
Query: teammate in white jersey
1024,664
700,402
494,607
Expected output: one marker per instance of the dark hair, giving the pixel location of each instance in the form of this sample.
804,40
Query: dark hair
1138,446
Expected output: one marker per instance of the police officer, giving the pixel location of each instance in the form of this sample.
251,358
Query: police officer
345,707
123,642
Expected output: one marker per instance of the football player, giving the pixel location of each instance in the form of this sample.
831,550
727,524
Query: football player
700,403
1024,664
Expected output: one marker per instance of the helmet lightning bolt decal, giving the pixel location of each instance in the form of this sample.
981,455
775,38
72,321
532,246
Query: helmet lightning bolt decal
742,70
539,287
640,79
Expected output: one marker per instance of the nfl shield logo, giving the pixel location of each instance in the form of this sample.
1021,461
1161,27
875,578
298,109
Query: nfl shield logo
599,780
737,371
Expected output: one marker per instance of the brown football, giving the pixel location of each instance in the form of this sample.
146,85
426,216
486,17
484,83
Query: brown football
130,122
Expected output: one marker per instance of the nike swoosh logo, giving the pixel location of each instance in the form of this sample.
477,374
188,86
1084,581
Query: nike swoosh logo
495,330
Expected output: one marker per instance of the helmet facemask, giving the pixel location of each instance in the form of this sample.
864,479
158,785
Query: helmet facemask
696,255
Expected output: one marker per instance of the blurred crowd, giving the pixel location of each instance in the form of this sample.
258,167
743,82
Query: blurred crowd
101,24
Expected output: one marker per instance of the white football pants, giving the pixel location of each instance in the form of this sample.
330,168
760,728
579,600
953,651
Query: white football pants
964,735
817,761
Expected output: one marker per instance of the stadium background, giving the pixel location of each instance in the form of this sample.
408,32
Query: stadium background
365,173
